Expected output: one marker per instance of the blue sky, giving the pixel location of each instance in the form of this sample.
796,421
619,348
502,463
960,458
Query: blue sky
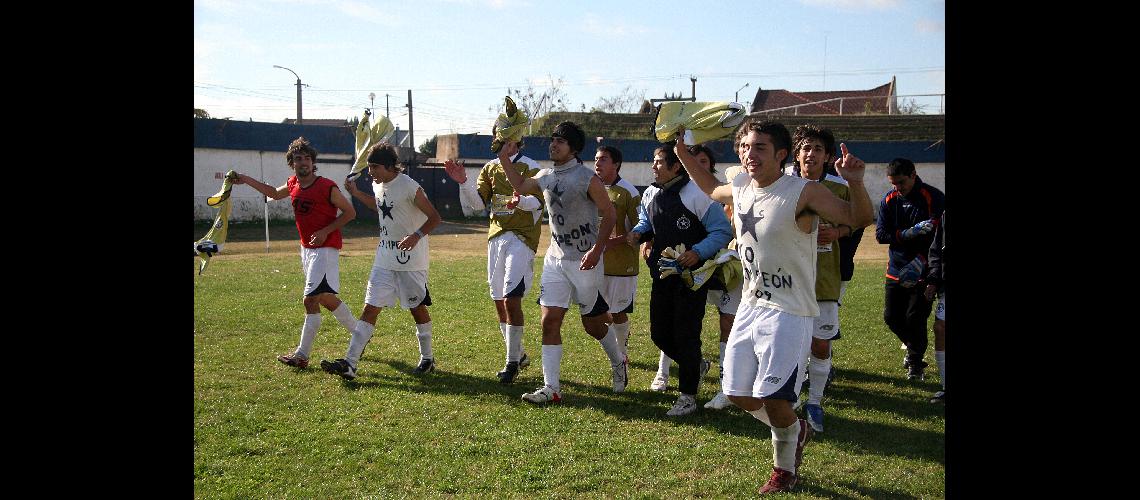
459,57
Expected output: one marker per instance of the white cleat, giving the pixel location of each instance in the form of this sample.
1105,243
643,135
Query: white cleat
719,402
659,384
685,405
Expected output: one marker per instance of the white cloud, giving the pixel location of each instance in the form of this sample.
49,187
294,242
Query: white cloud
854,4
494,4
929,26
365,12
611,27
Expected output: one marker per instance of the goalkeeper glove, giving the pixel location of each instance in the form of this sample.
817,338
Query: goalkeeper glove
922,228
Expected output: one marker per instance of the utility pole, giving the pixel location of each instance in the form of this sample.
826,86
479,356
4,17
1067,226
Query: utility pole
298,91
411,135
372,100
694,80
386,112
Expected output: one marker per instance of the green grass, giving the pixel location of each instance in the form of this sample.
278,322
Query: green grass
264,430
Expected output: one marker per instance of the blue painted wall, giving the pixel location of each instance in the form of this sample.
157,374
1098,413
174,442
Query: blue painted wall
261,136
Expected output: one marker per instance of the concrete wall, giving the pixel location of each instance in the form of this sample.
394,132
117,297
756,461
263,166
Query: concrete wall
210,165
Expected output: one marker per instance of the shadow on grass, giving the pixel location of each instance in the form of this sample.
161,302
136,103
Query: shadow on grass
644,404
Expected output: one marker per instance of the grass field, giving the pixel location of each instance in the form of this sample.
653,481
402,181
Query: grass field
264,430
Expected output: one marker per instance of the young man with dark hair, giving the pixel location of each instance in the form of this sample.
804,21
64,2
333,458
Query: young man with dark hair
512,240
575,197
813,148
316,201
621,266
400,268
908,216
674,211
776,233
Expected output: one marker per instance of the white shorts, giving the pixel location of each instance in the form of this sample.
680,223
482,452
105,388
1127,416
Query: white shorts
826,325
563,281
386,285
765,350
842,290
940,310
322,270
726,302
510,266
619,292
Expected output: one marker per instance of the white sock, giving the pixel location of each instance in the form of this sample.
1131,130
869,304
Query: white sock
663,365
552,366
784,446
622,332
610,344
503,330
308,334
761,415
423,334
360,337
940,358
514,342
344,315
817,373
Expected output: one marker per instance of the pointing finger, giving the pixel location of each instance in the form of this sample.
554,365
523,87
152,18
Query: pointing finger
842,149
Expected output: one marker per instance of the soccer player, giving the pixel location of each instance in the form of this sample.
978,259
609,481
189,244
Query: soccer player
674,211
936,284
316,201
813,148
907,216
512,240
621,266
574,198
776,231
400,268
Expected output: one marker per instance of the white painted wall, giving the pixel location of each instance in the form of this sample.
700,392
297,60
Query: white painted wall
210,165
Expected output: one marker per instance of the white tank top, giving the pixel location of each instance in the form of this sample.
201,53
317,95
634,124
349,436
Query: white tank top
778,258
399,217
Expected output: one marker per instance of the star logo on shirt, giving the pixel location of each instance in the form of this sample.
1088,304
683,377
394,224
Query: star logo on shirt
386,210
748,221
557,198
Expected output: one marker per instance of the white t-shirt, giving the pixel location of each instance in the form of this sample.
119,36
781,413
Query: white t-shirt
778,258
399,217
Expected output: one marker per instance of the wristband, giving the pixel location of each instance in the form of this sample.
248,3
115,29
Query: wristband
421,233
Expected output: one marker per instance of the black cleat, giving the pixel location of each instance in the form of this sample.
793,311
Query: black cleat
425,366
509,373
339,367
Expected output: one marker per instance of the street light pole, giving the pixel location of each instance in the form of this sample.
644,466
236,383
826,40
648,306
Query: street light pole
737,99
372,99
298,91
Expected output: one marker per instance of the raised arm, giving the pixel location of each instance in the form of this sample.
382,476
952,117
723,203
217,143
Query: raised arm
703,178
263,188
820,200
597,194
522,184
366,199
347,213
468,193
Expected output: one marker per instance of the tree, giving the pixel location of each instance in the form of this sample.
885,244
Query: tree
200,113
428,147
538,102
627,101
911,107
